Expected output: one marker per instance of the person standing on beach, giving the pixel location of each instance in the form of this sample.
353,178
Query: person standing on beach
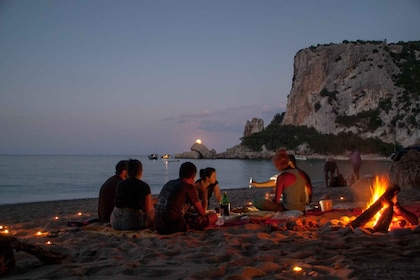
290,187
107,192
356,162
133,201
329,170
207,185
175,198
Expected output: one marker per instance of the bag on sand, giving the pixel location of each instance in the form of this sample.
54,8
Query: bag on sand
338,181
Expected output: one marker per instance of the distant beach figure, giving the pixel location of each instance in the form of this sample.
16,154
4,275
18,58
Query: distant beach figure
290,191
330,167
273,179
356,162
133,201
175,198
207,185
107,192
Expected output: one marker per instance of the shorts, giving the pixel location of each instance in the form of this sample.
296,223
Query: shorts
127,219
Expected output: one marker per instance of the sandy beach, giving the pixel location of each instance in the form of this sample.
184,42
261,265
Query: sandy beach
249,246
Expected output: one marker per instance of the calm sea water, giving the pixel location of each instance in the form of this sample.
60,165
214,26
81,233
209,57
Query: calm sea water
31,178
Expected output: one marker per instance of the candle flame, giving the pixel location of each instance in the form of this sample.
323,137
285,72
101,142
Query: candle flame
297,269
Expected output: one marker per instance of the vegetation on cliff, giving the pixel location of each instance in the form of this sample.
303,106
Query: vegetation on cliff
276,135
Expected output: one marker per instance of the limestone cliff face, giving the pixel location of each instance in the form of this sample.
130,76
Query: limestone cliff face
345,80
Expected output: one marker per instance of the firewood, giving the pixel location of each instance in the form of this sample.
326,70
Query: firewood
367,215
386,217
410,217
7,259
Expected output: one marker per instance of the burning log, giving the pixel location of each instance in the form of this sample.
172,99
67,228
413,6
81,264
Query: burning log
386,217
367,215
410,217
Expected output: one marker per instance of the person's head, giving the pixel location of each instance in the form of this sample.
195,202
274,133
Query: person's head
281,159
134,168
209,174
187,170
292,161
121,168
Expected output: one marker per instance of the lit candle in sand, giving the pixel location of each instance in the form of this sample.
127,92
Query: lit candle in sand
80,213
342,198
40,233
56,218
297,269
48,242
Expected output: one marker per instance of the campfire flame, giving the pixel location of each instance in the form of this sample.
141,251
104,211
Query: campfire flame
378,188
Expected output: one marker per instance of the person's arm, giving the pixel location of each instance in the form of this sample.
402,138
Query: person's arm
279,188
148,205
217,193
199,208
266,184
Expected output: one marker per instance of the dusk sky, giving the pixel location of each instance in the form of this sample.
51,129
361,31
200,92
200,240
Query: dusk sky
140,77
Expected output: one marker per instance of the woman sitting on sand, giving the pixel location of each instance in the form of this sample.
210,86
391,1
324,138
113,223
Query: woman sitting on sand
290,187
207,185
133,201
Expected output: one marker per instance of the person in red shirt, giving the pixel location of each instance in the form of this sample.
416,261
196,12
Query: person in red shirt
290,191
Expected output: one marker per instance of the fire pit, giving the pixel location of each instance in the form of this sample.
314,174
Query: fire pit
384,211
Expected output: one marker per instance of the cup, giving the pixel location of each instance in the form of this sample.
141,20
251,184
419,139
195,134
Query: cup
326,205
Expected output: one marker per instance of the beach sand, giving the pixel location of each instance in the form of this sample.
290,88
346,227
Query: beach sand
253,246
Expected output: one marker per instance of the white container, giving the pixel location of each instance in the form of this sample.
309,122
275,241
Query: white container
326,205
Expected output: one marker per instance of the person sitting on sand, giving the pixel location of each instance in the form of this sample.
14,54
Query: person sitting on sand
133,201
207,185
175,199
329,170
290,187
107,192
272,182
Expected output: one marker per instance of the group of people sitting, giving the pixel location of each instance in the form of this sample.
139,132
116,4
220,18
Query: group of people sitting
125,200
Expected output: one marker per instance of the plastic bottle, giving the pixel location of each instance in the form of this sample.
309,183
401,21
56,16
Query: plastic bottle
225,205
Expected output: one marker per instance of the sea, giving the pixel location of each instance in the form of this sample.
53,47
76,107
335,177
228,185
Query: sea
33,178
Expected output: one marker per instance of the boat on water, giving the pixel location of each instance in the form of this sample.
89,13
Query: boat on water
299,157
153,156
168,158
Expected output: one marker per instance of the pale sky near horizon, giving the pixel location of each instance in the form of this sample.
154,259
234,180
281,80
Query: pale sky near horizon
140,77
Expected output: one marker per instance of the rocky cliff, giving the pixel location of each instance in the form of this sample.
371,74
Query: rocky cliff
357,87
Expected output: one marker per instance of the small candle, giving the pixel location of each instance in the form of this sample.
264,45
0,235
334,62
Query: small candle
56,218
297,269
48,242
80,213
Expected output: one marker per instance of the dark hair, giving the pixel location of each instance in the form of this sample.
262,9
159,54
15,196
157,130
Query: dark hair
121,166
207,172
187,170
134,167
202,173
